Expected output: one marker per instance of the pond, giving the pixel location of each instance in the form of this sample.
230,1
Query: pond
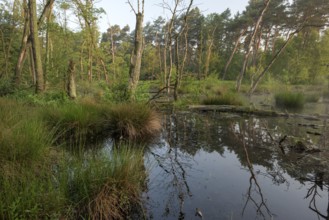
224,166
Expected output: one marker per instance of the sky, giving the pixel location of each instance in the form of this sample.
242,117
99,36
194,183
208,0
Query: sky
119,12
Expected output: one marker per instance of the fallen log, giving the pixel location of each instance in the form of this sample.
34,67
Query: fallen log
254,111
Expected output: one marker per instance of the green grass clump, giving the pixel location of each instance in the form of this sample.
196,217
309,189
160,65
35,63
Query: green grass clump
134,122
224,99
41,181
22,133
106,187
77,124
289,100
27,190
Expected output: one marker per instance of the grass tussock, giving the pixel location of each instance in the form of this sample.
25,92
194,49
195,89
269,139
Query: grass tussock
22,134
107,187
133,121
77,124
39,182
27,189
289,100
223,99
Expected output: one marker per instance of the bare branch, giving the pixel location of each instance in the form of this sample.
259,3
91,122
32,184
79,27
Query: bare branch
132,7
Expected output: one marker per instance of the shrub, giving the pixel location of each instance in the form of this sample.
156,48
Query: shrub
289,100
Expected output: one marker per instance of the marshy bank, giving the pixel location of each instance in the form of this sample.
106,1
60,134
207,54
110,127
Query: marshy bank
49,169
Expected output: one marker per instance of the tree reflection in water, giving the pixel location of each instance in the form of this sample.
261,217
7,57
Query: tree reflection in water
253,191
318,183
174,162
253,142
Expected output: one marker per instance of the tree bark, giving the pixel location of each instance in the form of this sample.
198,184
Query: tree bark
237,42
71,86
180,66
22,54
245,62
47,58
36,50
136,56
169,45
209,50
26,39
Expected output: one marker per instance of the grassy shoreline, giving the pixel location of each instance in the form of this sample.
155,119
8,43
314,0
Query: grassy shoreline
47,170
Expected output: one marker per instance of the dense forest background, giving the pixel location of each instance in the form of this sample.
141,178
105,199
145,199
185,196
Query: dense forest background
278,40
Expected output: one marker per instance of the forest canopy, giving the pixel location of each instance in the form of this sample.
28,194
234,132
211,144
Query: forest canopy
285,41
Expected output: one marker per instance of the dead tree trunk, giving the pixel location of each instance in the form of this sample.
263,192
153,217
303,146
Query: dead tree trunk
209,50
180,66
136,56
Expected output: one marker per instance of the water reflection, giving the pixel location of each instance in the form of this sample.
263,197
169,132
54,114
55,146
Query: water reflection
232,167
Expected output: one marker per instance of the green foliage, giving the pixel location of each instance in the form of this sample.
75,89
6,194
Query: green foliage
289,100
6,87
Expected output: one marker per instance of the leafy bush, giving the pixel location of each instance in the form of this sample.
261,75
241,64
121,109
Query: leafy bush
289,100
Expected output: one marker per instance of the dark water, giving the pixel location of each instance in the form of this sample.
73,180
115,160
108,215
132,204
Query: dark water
233,167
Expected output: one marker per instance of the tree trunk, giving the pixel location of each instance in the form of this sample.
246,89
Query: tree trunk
199,56
209,50
255,84
165,61
169,45
26,39
237,42
36,49
180,66
245,62
136,56
71,86
22,54
105,71
47,58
